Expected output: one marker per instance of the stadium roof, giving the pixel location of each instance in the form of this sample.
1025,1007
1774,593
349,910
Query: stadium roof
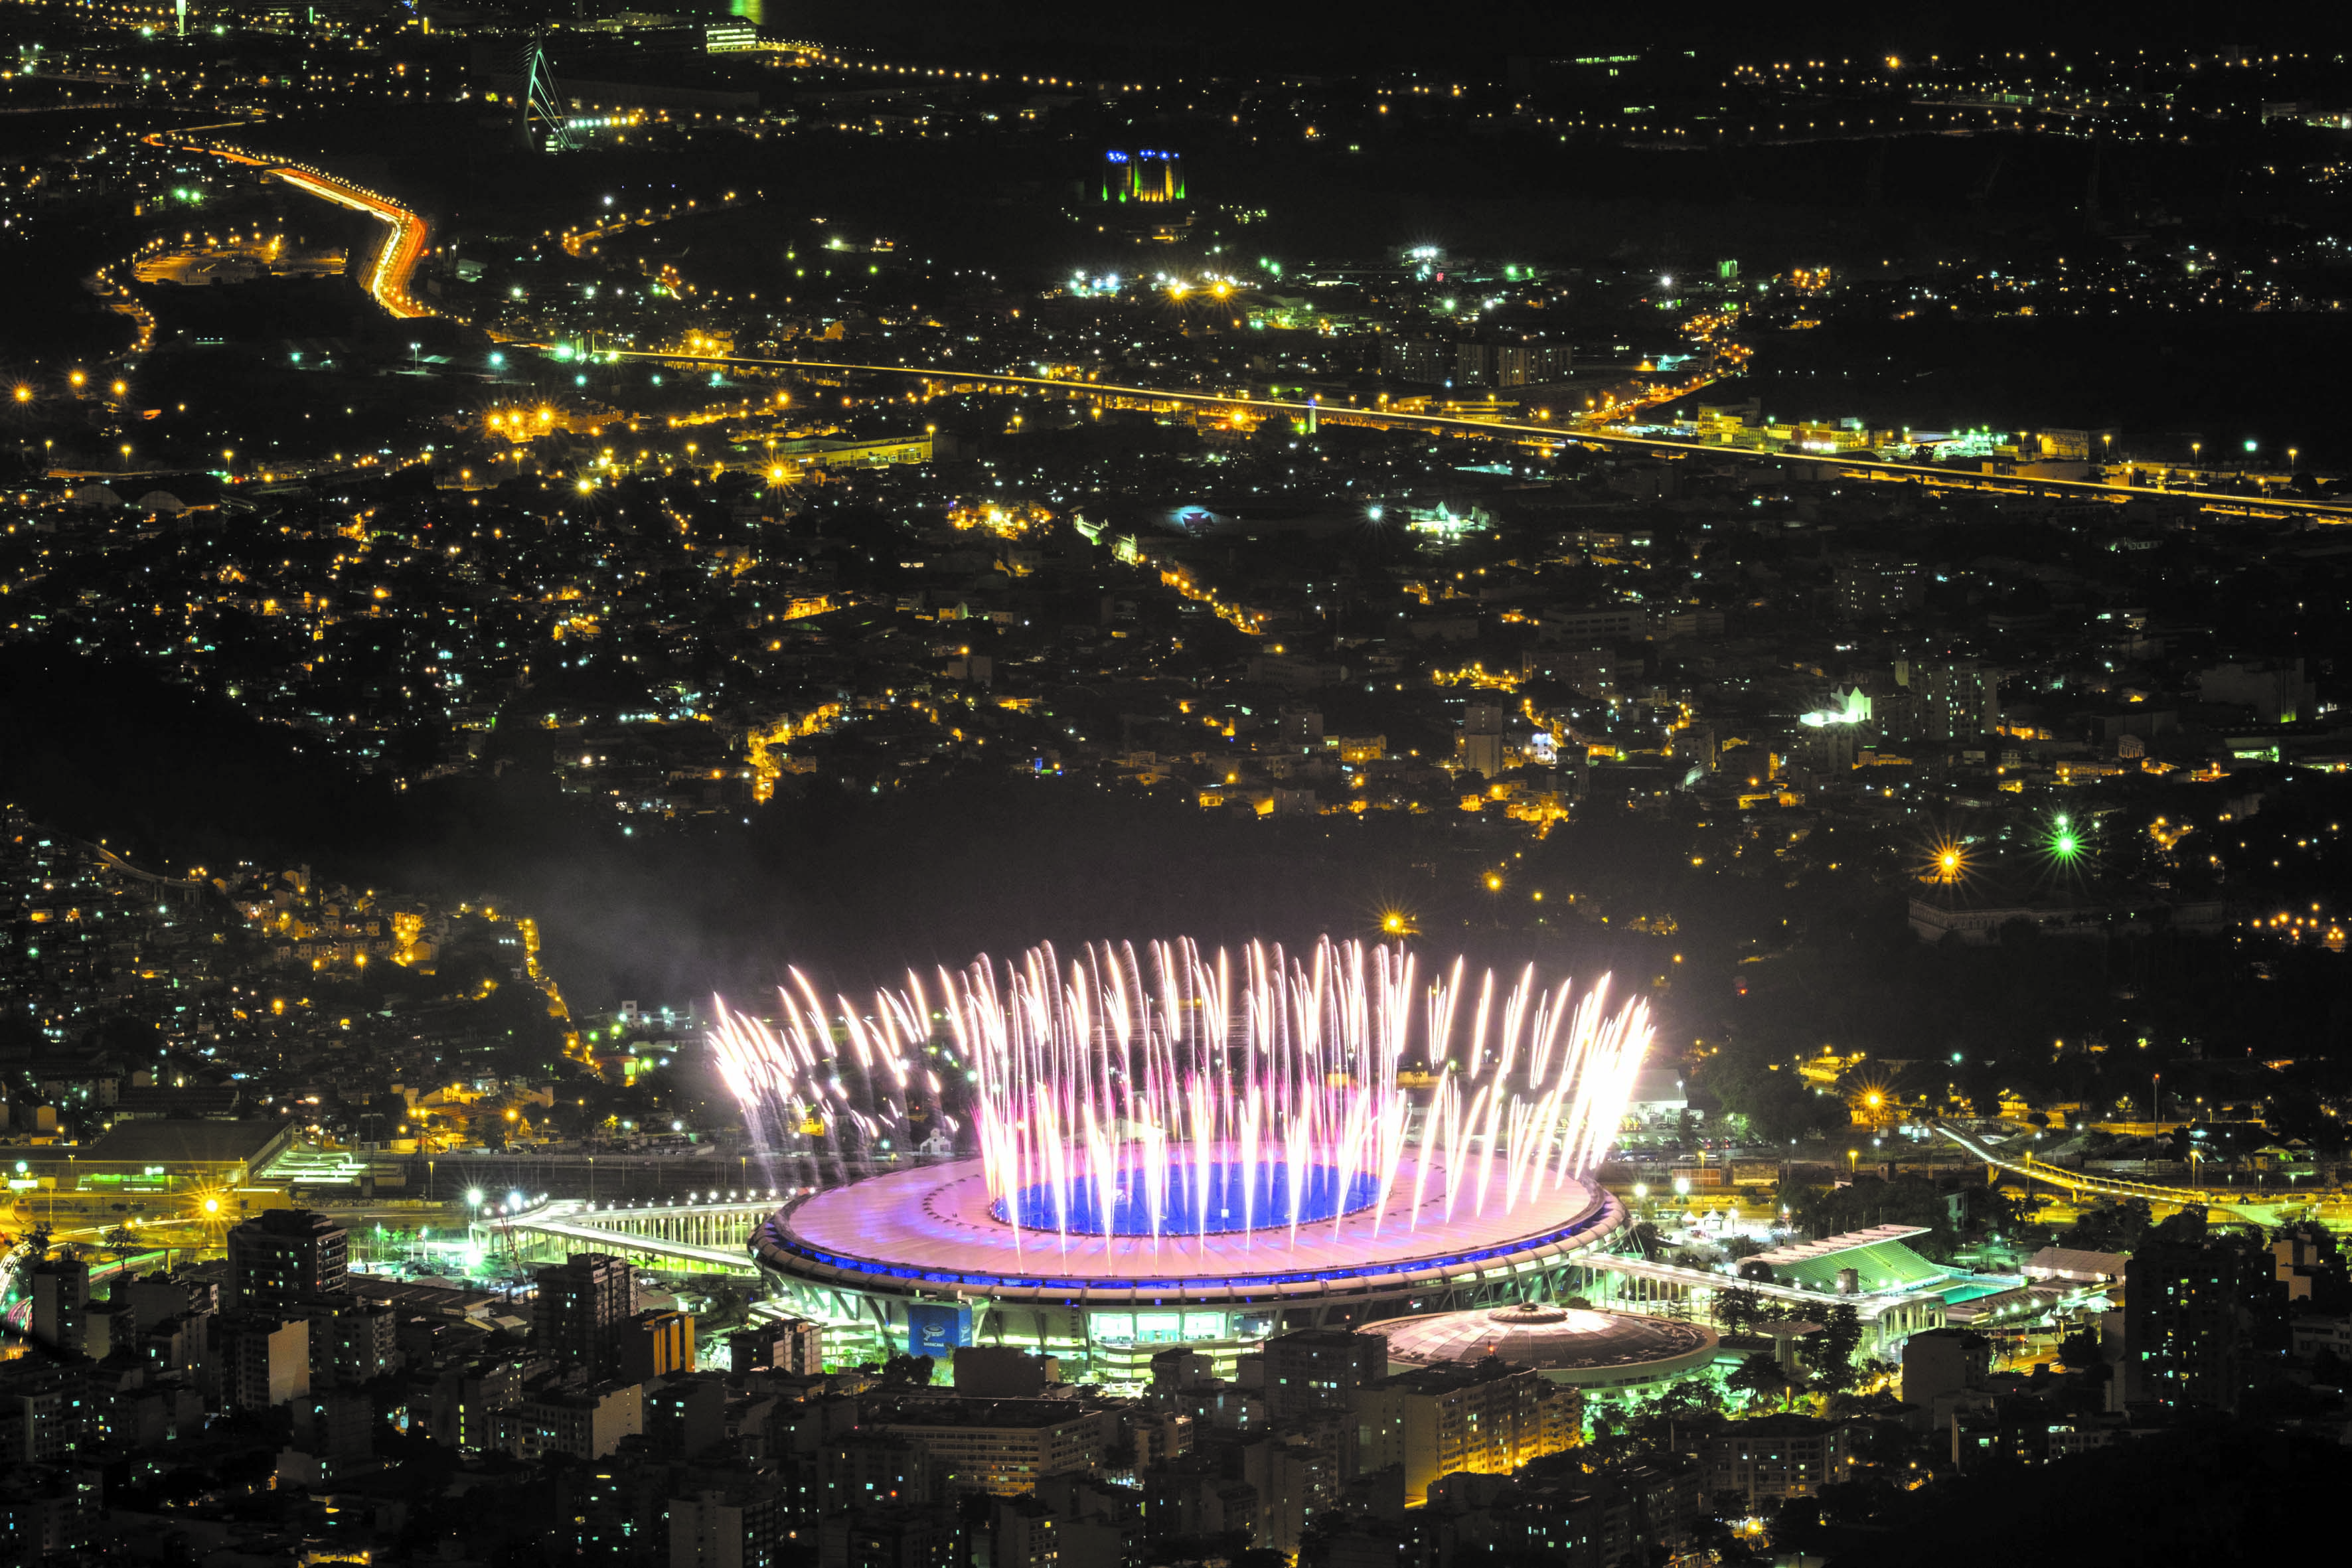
183,1142
2074,1264
1877,1255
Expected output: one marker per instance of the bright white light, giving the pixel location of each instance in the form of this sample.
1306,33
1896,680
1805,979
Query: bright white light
1148,1089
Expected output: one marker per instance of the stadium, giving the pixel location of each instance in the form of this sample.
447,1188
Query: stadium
919,1260
1176,1148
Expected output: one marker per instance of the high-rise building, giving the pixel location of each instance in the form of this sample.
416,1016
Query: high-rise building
263,1362
795,1345
2204,1315
1488,1418
1000,1445
1870,588
161,1296
1483,751
738,1527
357,1344
468,1400
2279,693
906,1536
60,1302
1315,1372
656,1344
1774,1456
1956,699
1480,362
44,1411
336,1428
583,1304
284,1258
686,1417
586,1426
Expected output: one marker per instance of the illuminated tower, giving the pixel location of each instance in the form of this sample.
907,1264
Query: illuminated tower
1146,176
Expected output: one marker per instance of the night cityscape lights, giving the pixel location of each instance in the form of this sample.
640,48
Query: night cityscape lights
515,521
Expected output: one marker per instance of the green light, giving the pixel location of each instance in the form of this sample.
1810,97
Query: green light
2065,845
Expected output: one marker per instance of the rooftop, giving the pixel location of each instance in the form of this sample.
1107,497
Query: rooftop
1877,1255
168,1143
1551,1338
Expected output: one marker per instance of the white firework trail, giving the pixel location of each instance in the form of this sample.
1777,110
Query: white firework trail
1120,1091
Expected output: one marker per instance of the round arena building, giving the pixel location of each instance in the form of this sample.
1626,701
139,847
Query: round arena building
924,1259
1170,1147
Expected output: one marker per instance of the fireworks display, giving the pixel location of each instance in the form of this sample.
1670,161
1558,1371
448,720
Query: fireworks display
1170,1094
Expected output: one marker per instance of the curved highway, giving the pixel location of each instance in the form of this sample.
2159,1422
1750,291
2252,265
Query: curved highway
395,264
2079,1183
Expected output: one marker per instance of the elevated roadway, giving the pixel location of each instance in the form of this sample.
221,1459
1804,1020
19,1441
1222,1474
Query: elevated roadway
394,263
2092,1184
708,1238
1540,433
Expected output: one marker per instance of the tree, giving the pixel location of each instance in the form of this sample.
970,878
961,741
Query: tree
1796,1525
1737,1307
2110,1227
1652,1426
731,1308
1833,1347
1760,1377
